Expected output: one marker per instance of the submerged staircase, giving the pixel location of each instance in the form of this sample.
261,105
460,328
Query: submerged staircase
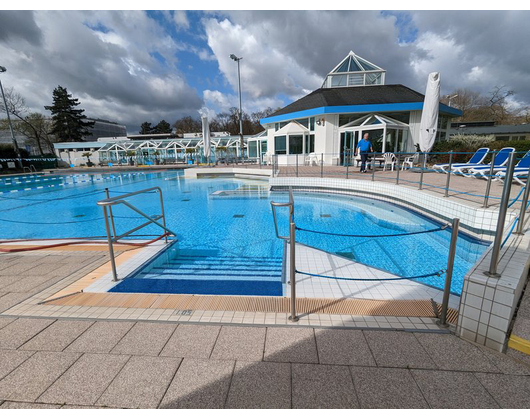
209,275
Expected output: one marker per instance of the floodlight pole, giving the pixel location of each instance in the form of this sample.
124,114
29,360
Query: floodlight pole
236,59
14,140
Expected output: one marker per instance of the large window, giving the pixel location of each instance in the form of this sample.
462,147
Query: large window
252,149
295,145
309,143
280,145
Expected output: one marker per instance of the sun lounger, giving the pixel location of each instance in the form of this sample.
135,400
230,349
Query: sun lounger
476,159
522,165
501,158
520,172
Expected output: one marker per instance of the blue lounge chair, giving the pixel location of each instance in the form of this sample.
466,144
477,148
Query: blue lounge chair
499,164
476,159
520,171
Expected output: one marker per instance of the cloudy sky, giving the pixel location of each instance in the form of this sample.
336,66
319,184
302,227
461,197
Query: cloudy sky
139,66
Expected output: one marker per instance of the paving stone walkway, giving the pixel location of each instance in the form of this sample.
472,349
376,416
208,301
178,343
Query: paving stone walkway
73,363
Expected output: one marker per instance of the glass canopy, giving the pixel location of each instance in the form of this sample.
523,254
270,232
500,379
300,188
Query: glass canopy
354,71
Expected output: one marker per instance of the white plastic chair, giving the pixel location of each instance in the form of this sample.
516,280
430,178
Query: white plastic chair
311,159
411,160
389,159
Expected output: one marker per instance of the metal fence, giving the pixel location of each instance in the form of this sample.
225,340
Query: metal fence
412,169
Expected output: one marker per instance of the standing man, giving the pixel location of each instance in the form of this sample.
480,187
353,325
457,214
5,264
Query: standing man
363,148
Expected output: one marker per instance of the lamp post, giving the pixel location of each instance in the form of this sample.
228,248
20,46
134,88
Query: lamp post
236,59
450,98
15,145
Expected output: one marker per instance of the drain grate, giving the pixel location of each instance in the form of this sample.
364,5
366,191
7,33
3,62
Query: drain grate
238,216
186,199
325,215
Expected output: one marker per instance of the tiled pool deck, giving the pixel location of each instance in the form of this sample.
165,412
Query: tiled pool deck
54,356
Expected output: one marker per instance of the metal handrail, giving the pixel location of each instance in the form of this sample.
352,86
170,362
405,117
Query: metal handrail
291,240
120,199
289,204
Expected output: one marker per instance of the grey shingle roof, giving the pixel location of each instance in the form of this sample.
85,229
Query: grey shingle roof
357,95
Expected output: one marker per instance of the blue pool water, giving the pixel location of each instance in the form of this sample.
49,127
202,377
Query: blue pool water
229,239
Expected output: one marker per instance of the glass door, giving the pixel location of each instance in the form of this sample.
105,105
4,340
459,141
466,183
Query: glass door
348,142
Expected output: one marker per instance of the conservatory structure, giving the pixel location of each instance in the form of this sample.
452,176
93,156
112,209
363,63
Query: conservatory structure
353,100
149,150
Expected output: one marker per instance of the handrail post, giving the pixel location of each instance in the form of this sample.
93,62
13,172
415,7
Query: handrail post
423,169
322,165
449,174
524,203
163,214
296,165
111,248
373,166
292,271
449,273
490,177
111,215
502,218
347,161
397,169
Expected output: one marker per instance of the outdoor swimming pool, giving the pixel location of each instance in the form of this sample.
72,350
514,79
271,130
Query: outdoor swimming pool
228,238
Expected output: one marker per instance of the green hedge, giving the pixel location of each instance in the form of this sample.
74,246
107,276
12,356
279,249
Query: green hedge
457,146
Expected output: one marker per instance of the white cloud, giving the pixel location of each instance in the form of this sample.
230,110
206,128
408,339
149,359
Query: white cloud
181,19
111,71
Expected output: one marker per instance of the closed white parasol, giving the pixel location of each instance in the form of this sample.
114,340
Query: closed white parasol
429,116
206,136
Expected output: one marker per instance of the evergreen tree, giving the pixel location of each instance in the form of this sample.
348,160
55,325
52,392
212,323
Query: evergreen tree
146,128
67,121
163,127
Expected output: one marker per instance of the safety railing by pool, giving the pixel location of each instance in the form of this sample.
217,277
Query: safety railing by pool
291,241
113,237
414,169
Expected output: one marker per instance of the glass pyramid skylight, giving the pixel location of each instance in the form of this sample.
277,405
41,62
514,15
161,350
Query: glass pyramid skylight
354,71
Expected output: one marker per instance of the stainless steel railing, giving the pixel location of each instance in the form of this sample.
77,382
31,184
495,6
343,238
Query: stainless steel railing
291,240
110,227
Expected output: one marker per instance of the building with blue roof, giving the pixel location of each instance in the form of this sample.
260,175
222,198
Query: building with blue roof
352,101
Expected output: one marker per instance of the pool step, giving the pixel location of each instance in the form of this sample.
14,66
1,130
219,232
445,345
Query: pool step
213,274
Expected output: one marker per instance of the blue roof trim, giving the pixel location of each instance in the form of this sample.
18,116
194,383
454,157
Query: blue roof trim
405,106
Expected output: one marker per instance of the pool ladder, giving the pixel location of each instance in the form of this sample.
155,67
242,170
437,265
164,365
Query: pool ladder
112,237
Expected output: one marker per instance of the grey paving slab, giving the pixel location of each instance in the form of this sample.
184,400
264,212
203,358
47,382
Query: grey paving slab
382,388
199,383
397,349
240,343
517,355
82,407
35,375
26,283
57,336
195,341
101,337
505,362
259,385
18,332
290,345
14,405
141,383
452,353
145,338
7,280
19,268
343,347
11,359
9,300
86,380
322,386
444,389
5,320
509,391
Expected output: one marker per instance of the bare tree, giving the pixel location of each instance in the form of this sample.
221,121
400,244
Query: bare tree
33,125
